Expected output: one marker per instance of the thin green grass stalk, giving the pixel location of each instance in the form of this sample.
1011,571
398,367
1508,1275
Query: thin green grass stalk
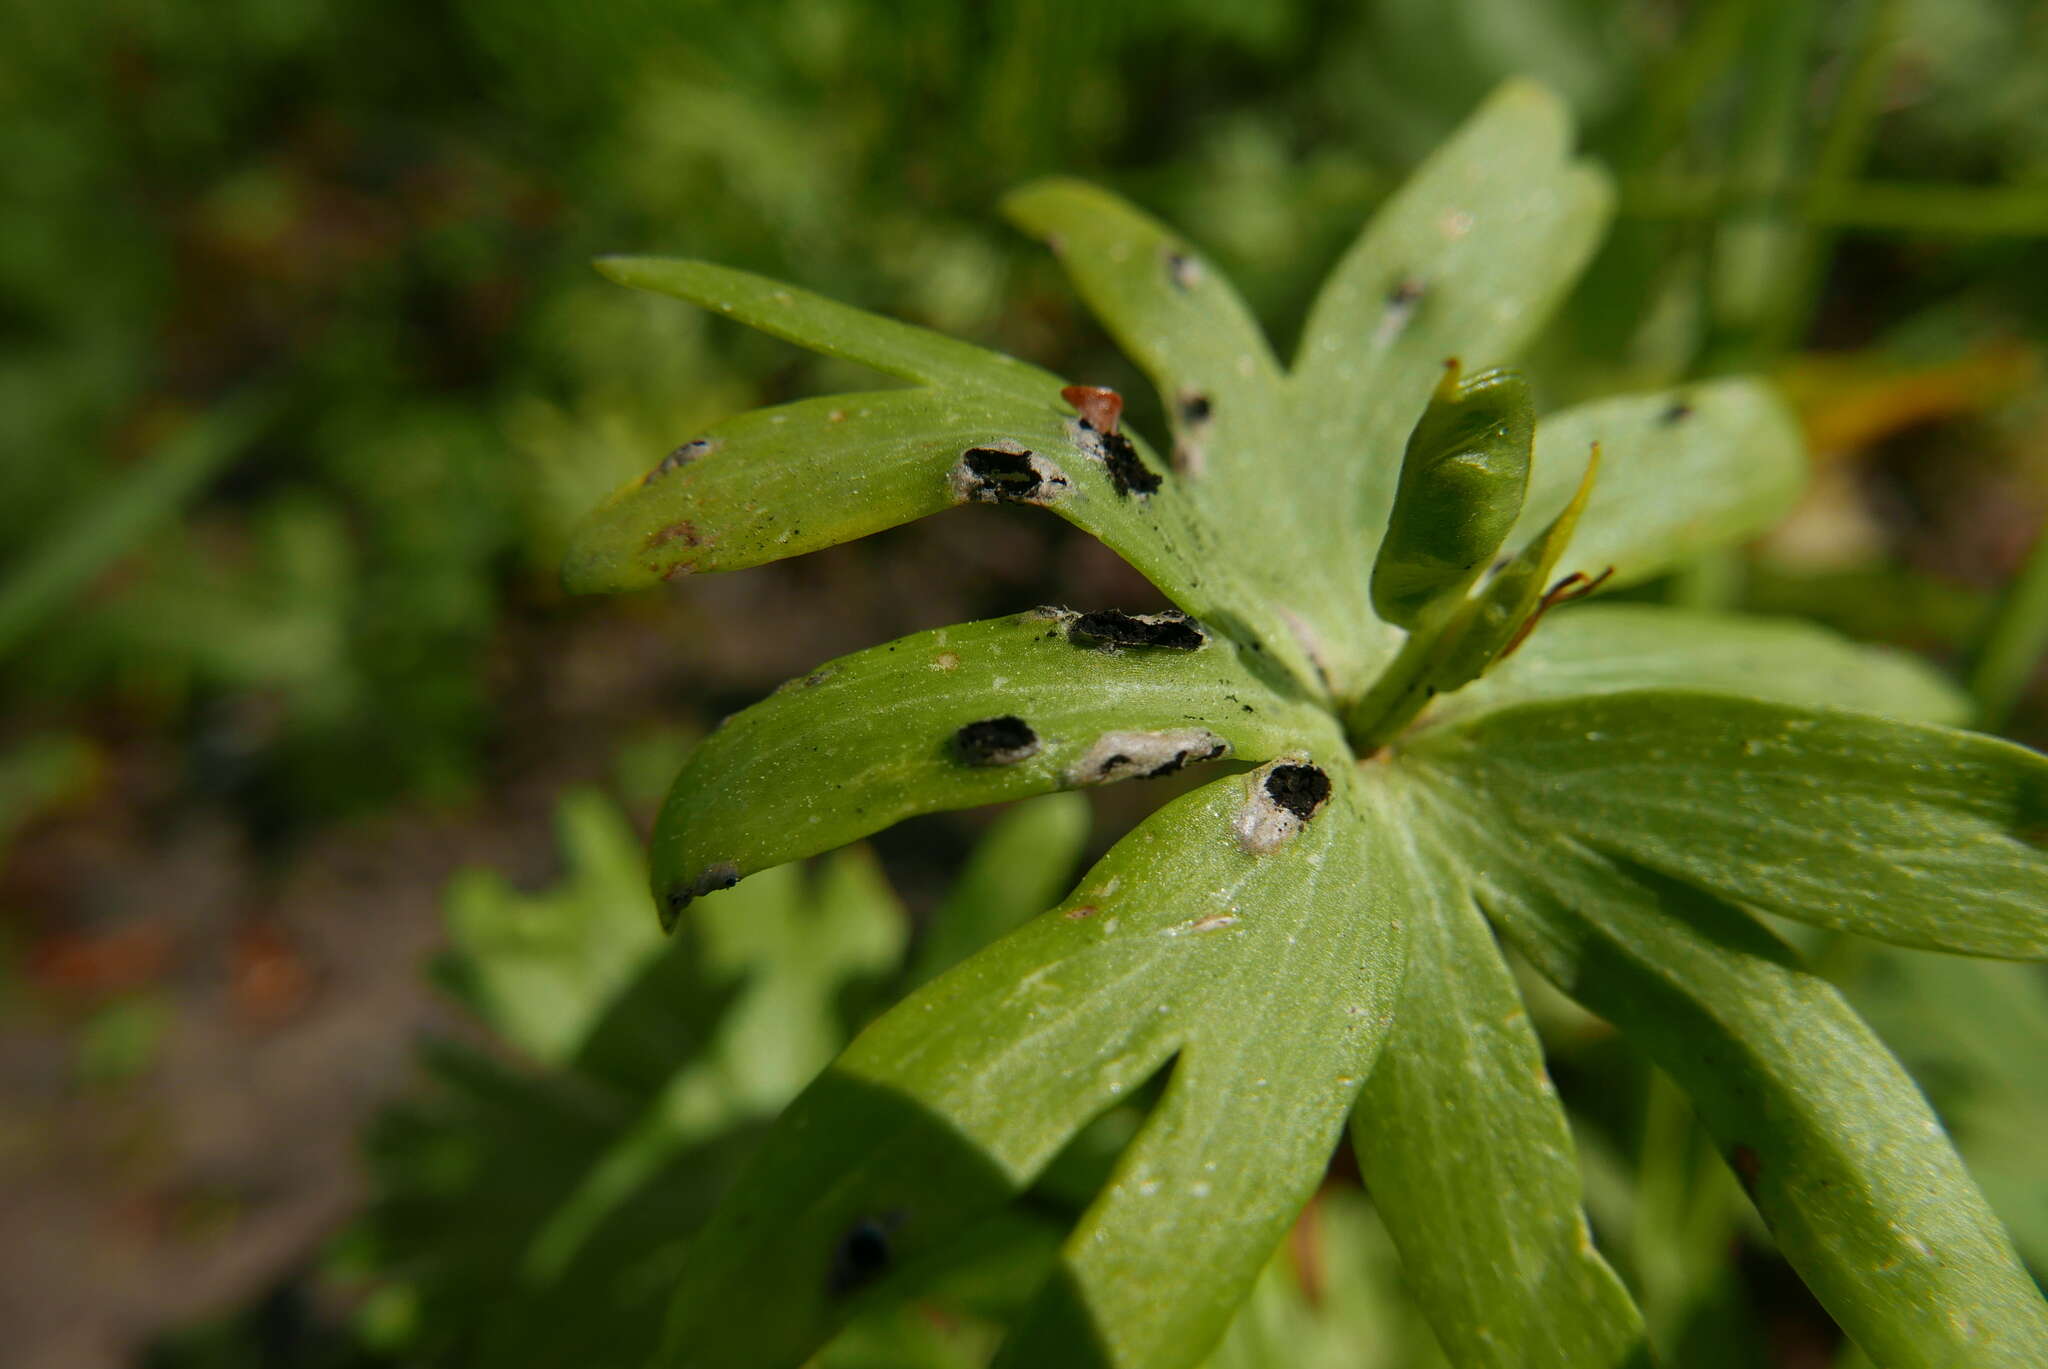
2014,641
153,493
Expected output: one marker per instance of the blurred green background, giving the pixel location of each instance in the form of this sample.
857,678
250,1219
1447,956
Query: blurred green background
303,374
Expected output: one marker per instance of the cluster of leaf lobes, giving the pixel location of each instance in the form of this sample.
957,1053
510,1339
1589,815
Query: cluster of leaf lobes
1358,543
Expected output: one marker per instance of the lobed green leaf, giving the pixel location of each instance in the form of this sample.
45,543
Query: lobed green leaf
833,329
951,1103
1838,1150
1465,1149
1923,836
1609,648
1465,260
875,737
1681,473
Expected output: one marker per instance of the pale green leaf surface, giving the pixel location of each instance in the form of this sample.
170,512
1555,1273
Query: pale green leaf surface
831,328
1680,473
1018,869
1840,1153
1167,308
1466,260
1918,835
871,738
1465,1149
1608,648
1181,942
1975,1033
779,482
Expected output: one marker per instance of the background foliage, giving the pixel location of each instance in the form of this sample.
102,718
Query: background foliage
302,374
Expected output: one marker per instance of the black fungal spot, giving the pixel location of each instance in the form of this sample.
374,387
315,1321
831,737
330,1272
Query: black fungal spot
1300,789
1677,413
1111,628
996,741
862,1256
1179,761
723,875
996,475
1127,471
1183,270
1195,409
1406,294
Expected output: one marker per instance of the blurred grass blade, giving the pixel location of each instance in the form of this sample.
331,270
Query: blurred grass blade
1465,1149
48,575
955,1100
2015,642
958,717
1918,835
1609,648
831,328
1680,473
1019,868
1837,1148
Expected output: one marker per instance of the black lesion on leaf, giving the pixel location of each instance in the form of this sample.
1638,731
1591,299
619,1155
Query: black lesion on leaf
1127,471
1300,789
863,1255
999,475
1183,270
722,875
1109,629
1180,760
996,741
1677,413
1195,409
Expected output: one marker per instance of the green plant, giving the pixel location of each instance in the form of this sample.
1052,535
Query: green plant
1408,769
530,1208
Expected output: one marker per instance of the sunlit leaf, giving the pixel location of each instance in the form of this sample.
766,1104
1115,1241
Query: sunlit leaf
1465,1149
962,716
1607,648
958,1097
1680,473
1918,835
831,328
1838,1150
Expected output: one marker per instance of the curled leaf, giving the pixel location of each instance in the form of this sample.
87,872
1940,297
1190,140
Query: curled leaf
1462,480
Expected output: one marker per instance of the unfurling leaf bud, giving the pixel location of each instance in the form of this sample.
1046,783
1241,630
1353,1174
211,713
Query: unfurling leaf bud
1462,484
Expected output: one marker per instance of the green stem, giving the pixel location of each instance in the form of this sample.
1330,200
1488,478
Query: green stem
1403,690
2014,641
1842,152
